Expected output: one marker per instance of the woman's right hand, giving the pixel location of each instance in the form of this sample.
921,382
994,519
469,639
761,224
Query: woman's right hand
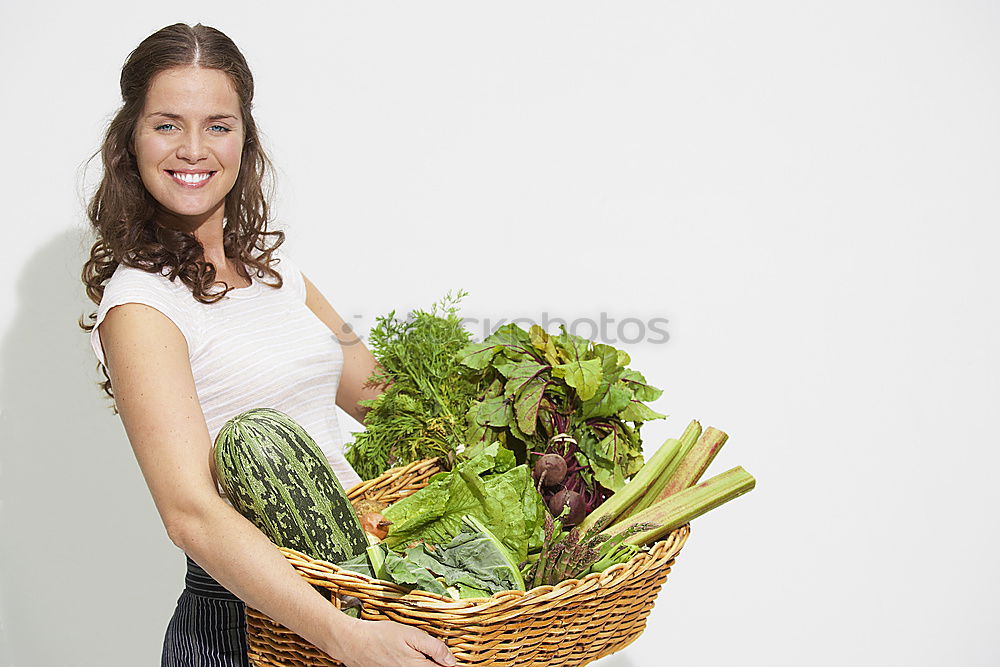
391,644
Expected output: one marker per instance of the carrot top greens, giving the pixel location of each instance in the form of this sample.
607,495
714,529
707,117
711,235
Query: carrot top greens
421,412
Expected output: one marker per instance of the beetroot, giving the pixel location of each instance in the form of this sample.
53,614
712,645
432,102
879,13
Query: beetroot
550,470
577,509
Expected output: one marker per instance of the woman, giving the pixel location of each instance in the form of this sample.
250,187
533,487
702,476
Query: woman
189,336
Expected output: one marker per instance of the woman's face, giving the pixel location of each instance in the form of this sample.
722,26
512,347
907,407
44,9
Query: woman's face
188,144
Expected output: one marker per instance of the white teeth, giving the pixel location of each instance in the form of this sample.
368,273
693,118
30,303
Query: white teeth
191,178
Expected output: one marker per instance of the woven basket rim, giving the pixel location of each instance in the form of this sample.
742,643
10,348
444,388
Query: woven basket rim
508,628
663,550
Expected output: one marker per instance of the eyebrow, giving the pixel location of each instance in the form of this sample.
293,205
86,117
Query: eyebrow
174,116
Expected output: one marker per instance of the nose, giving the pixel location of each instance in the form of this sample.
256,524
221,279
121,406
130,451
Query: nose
191,147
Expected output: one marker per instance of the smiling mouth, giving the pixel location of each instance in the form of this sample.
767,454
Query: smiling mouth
191,180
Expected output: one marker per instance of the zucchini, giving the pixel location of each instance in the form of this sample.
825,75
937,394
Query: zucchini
276,476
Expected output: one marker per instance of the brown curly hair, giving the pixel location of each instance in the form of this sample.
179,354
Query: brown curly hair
123,213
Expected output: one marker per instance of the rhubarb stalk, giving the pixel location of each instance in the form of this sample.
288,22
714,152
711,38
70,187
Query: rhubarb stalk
613,509
655,491
680,508
694,463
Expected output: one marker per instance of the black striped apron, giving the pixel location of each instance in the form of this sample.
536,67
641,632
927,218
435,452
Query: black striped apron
208,628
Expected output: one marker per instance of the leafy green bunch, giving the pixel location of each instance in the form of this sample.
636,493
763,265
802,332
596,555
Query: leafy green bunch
537,386
427,393
490,487
474,564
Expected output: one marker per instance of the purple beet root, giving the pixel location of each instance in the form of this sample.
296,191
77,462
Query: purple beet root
576,506
550,470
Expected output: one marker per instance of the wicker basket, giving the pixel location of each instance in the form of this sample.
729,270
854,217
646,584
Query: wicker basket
573,623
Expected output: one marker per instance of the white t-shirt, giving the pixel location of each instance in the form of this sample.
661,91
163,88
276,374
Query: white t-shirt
256,347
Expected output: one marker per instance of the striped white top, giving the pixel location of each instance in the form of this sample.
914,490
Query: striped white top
256,347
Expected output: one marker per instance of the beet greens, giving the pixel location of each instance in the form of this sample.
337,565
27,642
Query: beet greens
561,394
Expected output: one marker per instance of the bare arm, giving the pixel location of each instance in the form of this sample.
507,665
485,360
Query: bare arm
155,393
359,362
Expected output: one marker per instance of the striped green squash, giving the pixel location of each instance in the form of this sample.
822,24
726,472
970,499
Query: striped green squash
275,475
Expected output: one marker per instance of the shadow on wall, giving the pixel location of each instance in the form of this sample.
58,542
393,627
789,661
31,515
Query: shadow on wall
89,576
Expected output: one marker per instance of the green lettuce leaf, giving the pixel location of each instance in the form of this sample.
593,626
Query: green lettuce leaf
505,501
472,560
406,571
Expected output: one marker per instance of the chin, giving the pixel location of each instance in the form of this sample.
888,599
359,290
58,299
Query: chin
192,211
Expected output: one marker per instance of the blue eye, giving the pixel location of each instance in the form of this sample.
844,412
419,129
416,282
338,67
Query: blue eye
221,127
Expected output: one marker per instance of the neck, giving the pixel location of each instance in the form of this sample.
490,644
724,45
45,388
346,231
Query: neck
207,228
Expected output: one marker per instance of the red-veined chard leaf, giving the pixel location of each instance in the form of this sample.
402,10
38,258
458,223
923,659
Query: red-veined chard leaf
520,374
494,411
612,395
610,451
584,375
527,402
511,338
582,370
635,381
477,355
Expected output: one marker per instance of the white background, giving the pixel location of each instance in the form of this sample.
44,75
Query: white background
806,191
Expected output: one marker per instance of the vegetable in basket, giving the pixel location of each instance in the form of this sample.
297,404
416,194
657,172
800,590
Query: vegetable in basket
473,564
276,476
422,411
444,393
561,396
662,497
489,487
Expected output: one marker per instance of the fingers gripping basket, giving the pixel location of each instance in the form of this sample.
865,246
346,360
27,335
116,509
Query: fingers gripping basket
573,623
